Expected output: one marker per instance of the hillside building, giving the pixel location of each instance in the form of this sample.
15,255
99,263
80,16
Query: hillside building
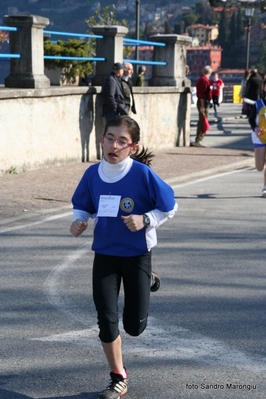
204,33
202,55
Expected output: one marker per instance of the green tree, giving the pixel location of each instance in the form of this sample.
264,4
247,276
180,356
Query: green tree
204,12
190,18
239,23
105,16
167,28
69,48
261,61
223,30
232,27
179,28
199,7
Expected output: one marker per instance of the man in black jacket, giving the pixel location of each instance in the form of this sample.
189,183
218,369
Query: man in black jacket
127,87
113,94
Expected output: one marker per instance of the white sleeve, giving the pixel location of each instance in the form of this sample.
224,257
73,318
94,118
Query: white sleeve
82,215
158,217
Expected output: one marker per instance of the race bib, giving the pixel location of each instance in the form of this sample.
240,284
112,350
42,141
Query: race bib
108,205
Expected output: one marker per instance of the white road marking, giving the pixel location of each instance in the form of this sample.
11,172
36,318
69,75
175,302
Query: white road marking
30,224
195,181
165,340
53,281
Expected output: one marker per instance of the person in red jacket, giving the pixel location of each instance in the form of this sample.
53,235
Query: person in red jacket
217,85
203,87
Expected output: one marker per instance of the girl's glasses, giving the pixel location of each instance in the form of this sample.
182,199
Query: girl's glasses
121,143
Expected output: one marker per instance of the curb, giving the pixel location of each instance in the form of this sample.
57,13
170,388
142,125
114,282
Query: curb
247,163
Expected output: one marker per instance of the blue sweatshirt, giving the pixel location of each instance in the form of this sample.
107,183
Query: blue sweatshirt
141,191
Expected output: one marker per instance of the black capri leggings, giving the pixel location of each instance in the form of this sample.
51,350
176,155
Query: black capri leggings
108,272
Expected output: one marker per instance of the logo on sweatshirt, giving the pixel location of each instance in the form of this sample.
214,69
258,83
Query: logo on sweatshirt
127,205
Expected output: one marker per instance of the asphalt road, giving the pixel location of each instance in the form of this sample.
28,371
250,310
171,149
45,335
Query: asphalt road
228,130
206,331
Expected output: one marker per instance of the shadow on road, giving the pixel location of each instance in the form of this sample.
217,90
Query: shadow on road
5,394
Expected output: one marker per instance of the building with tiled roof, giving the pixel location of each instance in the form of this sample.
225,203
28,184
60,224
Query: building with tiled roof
204,33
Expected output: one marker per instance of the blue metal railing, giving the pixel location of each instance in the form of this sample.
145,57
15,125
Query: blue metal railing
10,55
9,28
142,62
126,42
51,32
57,57
134,42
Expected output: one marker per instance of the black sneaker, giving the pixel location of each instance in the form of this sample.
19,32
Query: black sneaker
116,388
155,281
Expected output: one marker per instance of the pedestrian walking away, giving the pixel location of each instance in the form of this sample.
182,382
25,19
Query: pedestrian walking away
253,90
257,120
203,87
243,91
127,201
113,93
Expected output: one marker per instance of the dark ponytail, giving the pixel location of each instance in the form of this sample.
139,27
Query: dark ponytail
143,156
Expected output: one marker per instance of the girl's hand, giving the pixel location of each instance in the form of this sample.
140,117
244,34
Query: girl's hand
77,227
258,131
133,222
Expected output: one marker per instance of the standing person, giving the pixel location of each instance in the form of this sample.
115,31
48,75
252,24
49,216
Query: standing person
253,89
203,87
127,87
243,91
217,85
129,200
257,120
113,94
139,79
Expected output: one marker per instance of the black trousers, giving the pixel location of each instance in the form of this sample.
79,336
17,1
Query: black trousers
215,100
108,273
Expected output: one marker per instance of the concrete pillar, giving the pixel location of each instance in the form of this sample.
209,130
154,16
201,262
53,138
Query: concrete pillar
27,71
110,48
175,54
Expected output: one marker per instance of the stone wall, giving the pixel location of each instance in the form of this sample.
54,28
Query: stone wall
41,127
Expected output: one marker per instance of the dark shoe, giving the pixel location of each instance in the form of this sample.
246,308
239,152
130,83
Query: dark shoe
116,388
155,281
